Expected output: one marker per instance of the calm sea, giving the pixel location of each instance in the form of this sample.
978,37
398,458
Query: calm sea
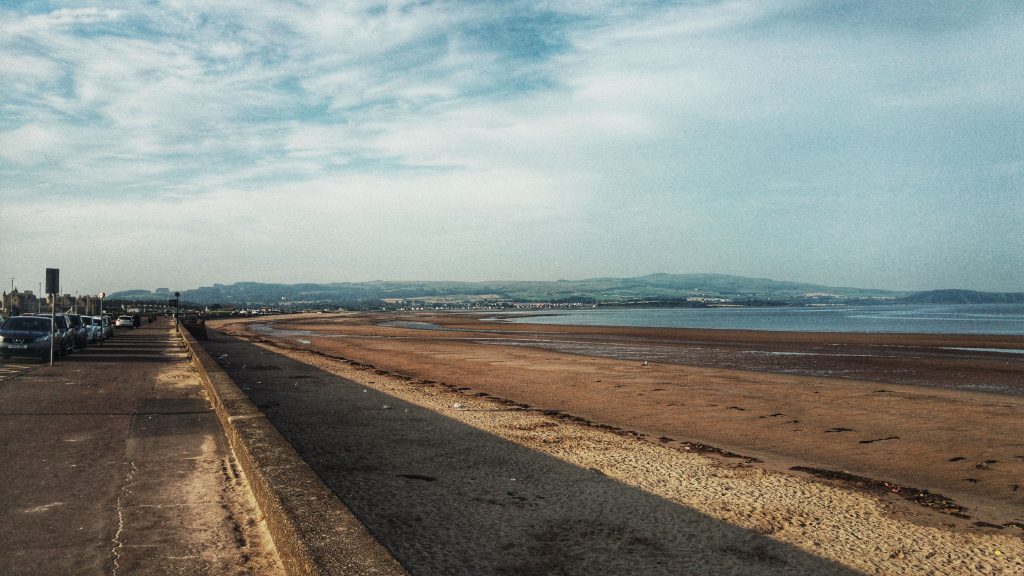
928,319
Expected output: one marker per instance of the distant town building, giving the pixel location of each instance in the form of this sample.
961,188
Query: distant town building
15,303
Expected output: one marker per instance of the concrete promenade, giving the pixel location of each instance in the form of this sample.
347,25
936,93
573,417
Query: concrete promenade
113,462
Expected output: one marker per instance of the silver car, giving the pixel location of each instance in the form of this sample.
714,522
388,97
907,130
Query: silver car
62,325
93,330
105,328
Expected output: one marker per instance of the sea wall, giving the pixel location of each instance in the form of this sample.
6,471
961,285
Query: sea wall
314,532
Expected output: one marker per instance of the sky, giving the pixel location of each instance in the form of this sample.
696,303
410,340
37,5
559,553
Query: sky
182,143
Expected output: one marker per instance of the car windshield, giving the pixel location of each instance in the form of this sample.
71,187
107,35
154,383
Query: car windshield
27,323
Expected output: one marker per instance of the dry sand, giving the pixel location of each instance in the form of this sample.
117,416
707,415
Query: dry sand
966,446
208,515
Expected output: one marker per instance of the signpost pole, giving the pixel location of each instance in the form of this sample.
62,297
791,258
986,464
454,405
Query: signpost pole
53,324
52,288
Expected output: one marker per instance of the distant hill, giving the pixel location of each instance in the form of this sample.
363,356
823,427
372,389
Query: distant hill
962,297
652,289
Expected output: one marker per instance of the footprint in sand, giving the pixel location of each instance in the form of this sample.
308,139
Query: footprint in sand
838,430
957,458
986,464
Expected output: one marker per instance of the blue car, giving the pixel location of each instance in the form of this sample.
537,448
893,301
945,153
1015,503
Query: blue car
29,336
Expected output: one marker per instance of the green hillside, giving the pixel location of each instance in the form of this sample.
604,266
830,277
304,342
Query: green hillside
668,289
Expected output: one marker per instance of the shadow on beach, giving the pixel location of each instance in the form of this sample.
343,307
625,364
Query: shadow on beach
447,498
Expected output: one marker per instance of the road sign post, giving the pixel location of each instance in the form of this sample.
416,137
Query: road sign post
53,288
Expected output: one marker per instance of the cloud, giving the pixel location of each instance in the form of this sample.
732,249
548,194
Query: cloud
31,144
731,136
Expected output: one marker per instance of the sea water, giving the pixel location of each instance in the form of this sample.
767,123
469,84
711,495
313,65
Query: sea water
920,319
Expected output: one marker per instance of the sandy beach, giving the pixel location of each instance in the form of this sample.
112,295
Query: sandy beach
875,452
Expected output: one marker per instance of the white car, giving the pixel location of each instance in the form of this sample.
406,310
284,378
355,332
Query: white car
92,330
106,330
124,322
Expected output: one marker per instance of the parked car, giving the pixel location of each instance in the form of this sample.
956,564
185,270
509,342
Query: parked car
93,330
67,332
28,336
124,322
109,325
81,332
106,329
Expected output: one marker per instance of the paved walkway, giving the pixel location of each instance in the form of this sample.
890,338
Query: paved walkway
114,463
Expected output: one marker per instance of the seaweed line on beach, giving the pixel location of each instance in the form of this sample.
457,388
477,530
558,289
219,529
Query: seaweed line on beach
924,498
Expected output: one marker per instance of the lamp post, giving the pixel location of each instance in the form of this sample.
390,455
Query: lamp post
177,306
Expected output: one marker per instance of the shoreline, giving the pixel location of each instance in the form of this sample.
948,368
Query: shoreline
947,319
928,360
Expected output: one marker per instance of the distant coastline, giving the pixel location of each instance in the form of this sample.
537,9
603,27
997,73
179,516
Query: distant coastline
652,290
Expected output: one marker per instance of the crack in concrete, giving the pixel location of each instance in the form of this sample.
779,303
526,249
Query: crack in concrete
118,544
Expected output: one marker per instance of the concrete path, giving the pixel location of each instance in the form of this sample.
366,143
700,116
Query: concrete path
114,463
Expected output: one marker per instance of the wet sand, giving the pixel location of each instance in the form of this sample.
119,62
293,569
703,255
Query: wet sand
965,448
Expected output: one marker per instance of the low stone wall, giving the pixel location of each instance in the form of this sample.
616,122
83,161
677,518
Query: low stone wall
197,329
314,532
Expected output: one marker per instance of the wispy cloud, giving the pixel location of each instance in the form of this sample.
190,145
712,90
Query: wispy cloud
543,139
